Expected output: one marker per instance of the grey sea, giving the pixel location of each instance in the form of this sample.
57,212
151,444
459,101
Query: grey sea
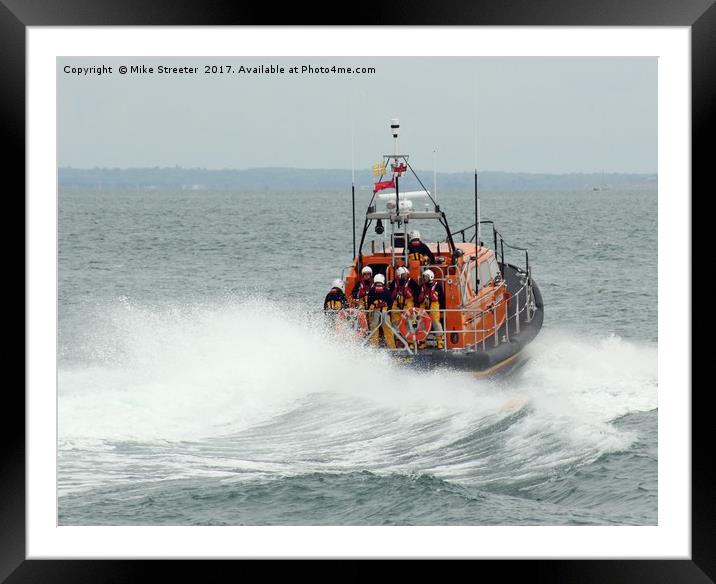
196,385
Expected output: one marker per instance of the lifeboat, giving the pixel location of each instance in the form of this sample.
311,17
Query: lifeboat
489,307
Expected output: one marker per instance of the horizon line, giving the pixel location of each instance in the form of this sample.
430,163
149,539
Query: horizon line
348,170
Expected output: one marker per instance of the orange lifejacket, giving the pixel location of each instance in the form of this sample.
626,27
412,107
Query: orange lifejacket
401,292
360,292
429,293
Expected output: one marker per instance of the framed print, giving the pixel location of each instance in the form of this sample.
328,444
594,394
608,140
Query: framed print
197,185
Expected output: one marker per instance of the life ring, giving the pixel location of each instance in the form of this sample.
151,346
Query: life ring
415,324
352,321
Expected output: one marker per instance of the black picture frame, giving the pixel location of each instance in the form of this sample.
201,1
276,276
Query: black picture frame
16,15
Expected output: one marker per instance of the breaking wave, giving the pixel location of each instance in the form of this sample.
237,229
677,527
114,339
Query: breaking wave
255,389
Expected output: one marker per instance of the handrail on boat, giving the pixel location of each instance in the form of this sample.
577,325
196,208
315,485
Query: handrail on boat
527,307
497,239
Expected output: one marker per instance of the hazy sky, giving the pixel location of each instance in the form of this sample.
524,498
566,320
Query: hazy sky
550,115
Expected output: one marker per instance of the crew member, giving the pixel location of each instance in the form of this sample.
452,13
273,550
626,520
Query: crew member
362,288
335,299
377,303
417,250
432,299
404,292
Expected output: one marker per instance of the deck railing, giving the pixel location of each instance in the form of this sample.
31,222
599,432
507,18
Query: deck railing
498,240
499,331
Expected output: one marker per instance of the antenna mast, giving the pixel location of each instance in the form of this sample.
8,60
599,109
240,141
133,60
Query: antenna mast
353,179
478,244
394,127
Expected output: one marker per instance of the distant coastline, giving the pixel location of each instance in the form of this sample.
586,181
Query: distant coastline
297,179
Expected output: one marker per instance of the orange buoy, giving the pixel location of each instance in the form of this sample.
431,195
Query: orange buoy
352,322
415,324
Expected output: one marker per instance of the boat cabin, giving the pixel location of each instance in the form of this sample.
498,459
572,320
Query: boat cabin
475,294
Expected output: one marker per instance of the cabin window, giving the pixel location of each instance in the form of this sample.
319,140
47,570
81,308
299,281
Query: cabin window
484,271
469,285
485,274
494,269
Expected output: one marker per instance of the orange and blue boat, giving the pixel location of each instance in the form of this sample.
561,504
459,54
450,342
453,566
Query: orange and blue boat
488,308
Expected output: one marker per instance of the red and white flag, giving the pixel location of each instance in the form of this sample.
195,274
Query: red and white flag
386,184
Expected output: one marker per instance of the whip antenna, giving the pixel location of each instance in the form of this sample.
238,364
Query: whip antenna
435,174
353,177
477,207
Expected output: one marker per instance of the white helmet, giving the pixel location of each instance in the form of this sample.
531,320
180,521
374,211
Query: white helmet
379,279
428,275
415,234
337,283
367,270
401,270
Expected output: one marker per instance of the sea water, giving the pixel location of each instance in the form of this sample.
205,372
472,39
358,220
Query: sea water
197,387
